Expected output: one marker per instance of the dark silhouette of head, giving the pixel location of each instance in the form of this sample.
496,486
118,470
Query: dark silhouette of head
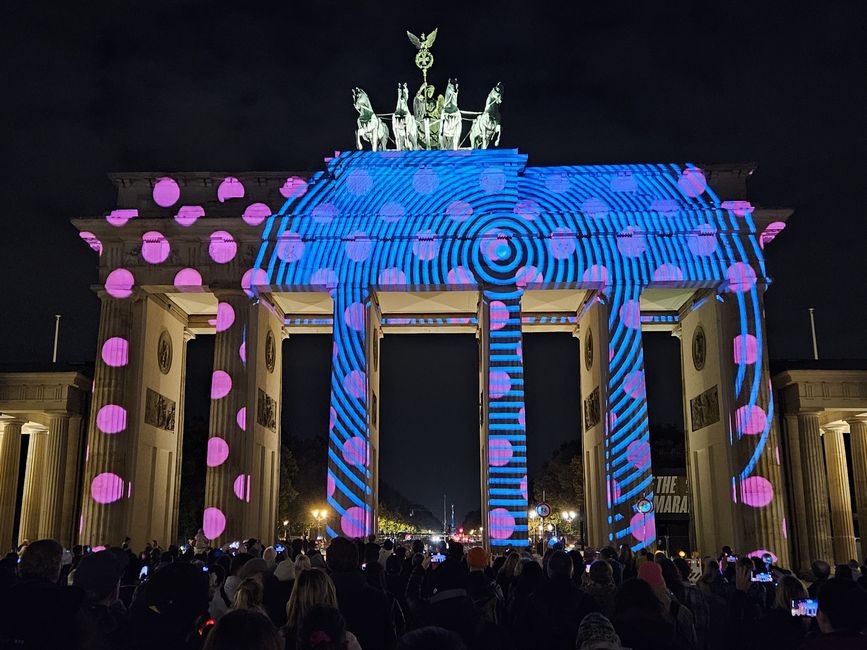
41,559
559,566
431,638
244,629
842,606
342,555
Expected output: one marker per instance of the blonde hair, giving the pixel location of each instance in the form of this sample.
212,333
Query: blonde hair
249,595
302,563
312,587
508,568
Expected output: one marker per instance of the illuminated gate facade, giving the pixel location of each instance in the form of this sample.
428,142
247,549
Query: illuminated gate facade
486,244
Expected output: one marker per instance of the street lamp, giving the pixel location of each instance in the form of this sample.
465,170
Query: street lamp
532,514
285,528
319,516
568,516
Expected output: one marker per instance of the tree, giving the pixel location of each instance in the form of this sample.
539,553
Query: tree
288,476
561,484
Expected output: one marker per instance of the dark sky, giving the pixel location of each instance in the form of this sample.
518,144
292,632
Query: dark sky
96,87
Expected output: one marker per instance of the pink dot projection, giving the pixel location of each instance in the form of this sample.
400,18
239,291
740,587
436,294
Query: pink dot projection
106,487
355,383
557,182
332,417
187,280
643,527
562,242
241,487
154,247
221,384
293,187
426,245
425,180
242,352
784,529
359,247
251,278
613,489
741,277
256,213
499,383
750,420
595,208
499,452
166,192
213,523
359,182
527,209
230,188
770,233
667,273
740,208
115,352
225,316
631,242
492,180
330,485
499,315
623,182
501,524
528,275
757,491
111,418
702,241
241,418
524,486
630,314
392,212
665,207
597,274
392,276
290,246
460,275
325,277
353,316
118,218
119,283
188,215
222,247
91,240
352,522
355,451
218,451
522,417
692,182
759,552
324,213
638,453
746,349
633,384
459,211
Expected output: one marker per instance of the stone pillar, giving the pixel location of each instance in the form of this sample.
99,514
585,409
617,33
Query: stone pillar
797,500
70,488
34,476
503,425
818,529
858,438
349,482
52,477
230,448
106,485
10,461
842,528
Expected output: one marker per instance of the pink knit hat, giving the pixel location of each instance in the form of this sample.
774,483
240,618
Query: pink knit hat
651,573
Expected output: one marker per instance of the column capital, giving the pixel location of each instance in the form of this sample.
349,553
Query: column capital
12,420
189,335
858,420
32,428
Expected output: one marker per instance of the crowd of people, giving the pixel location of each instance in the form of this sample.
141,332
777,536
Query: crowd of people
358,594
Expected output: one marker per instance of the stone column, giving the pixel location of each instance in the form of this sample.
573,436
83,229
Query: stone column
230,449
797,519
10,460
843,540
503,426
858,438
815,488
34,474
53,476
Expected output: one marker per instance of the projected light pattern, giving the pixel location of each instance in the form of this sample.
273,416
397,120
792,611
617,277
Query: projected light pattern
483,220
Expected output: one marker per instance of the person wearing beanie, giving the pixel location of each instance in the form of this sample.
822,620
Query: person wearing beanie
597,633
600,586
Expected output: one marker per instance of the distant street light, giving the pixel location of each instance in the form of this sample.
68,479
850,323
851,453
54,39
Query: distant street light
319,516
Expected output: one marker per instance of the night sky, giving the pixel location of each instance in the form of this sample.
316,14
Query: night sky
161,86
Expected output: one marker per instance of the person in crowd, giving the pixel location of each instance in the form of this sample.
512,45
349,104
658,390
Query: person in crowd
222,600
375,576
844,571
249,596
323,628
842,617
712,581
366,610
37,612
506,573
312,588
597,633
777,628
821,572
302,563
639,618
609,554
600,586
627,561
431,638
243,629
699,604
200,542
676,612
170,610
102,620
555,610
370,553
518,600
385,552
482,590
395,580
